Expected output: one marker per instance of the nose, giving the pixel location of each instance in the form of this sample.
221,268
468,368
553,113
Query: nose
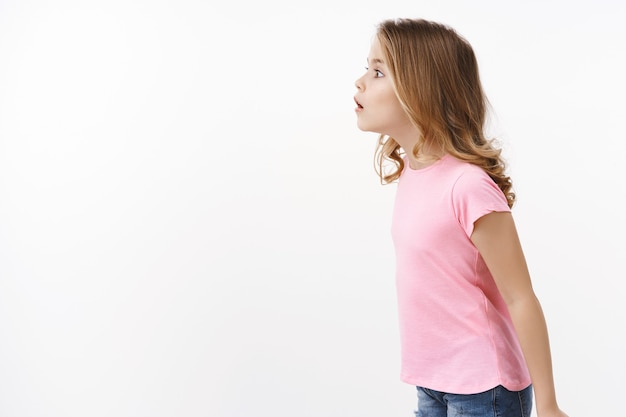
359,83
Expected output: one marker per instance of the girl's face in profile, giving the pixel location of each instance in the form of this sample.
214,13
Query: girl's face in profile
378,108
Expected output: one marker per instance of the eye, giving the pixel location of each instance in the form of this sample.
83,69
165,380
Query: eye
378,73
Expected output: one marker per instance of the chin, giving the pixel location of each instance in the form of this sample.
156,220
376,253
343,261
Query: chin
364,128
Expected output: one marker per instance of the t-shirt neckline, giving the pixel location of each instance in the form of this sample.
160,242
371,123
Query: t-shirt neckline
426,168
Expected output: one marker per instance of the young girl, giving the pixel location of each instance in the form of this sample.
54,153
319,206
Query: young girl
473,334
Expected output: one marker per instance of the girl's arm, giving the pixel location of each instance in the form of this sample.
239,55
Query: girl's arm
495,237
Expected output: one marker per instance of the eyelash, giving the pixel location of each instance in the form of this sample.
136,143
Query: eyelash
377,73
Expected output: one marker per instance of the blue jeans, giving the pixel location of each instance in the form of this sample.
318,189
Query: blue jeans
497,402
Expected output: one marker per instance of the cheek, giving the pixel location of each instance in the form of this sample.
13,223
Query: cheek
394,109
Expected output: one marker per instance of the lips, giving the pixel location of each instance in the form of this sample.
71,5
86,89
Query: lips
359,107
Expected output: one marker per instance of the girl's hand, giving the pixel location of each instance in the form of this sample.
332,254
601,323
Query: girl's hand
552,413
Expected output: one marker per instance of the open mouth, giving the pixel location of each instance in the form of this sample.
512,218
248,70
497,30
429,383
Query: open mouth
358,105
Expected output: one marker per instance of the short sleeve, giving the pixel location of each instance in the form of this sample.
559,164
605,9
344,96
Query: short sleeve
474,195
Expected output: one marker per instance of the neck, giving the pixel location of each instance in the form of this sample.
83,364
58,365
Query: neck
428,153
423,161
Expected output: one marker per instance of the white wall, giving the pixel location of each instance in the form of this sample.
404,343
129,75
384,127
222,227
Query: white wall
190,223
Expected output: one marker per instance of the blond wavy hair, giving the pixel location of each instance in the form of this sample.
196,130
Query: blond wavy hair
435,76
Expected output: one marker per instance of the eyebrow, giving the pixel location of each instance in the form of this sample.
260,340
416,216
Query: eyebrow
376,61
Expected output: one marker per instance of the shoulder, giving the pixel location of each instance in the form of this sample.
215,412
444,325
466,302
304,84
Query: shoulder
470,178
475,194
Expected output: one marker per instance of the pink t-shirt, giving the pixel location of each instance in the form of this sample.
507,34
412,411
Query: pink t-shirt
455,329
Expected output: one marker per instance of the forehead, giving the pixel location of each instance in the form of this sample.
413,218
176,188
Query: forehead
376,53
